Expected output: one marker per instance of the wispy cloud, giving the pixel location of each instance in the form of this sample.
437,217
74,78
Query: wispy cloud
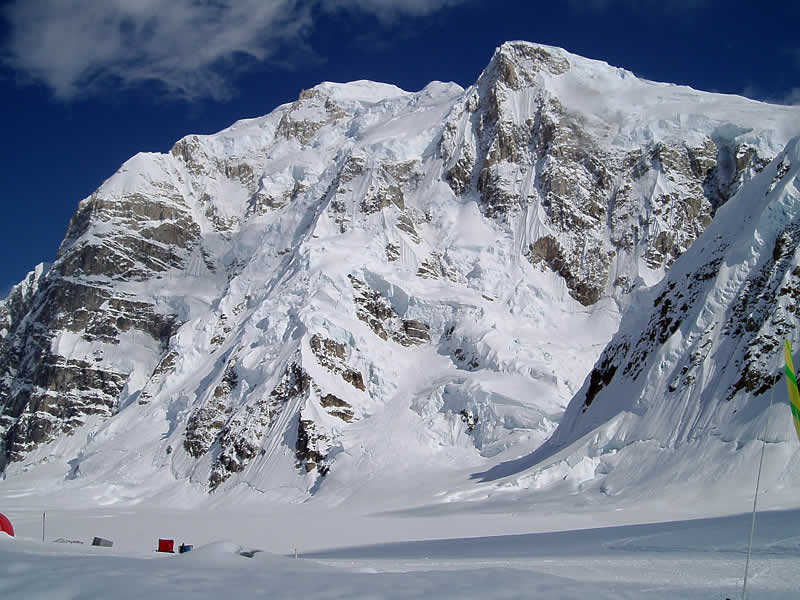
388,10
790,98
793,97
191,47
77,47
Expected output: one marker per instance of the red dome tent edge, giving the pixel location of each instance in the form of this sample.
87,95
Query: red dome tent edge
5,525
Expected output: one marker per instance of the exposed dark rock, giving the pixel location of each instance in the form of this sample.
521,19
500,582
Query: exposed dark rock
206,423
309,448
189,150
595,203
406,224
329,400
372,308
294,383
236,451
377,312
337,407
382,197
302,128
469,418
264,199
434,267
240,436
413,332
203,428
760,314
45,395
586,288
392,252
333,355
166,364
603,372
466,361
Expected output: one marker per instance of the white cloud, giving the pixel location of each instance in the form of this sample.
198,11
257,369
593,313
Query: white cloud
78,46
191,47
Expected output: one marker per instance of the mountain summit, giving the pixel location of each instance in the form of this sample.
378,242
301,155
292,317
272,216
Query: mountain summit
376,290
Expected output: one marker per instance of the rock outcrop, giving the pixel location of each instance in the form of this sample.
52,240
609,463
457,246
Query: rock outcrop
694,359
596,204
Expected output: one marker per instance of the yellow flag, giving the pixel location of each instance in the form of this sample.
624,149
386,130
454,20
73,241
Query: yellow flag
791,384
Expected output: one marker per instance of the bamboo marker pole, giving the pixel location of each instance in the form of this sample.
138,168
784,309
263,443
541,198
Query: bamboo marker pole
43,523
755,496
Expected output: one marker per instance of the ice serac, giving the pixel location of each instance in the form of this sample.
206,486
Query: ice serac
366,283
683,389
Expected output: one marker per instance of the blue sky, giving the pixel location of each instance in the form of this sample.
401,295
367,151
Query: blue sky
85,84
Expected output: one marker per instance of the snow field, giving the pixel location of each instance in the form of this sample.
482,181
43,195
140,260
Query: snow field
697,559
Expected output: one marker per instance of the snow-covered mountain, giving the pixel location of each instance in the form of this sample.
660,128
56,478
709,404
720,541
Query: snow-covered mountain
376,290
696,368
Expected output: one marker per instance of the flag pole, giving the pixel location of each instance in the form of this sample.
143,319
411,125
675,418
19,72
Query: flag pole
794,405
755,496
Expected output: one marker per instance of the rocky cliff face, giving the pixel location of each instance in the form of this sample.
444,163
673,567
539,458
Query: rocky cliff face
691,369
598,201
270,304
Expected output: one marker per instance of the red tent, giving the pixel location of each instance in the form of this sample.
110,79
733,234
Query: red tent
166,545
5,525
